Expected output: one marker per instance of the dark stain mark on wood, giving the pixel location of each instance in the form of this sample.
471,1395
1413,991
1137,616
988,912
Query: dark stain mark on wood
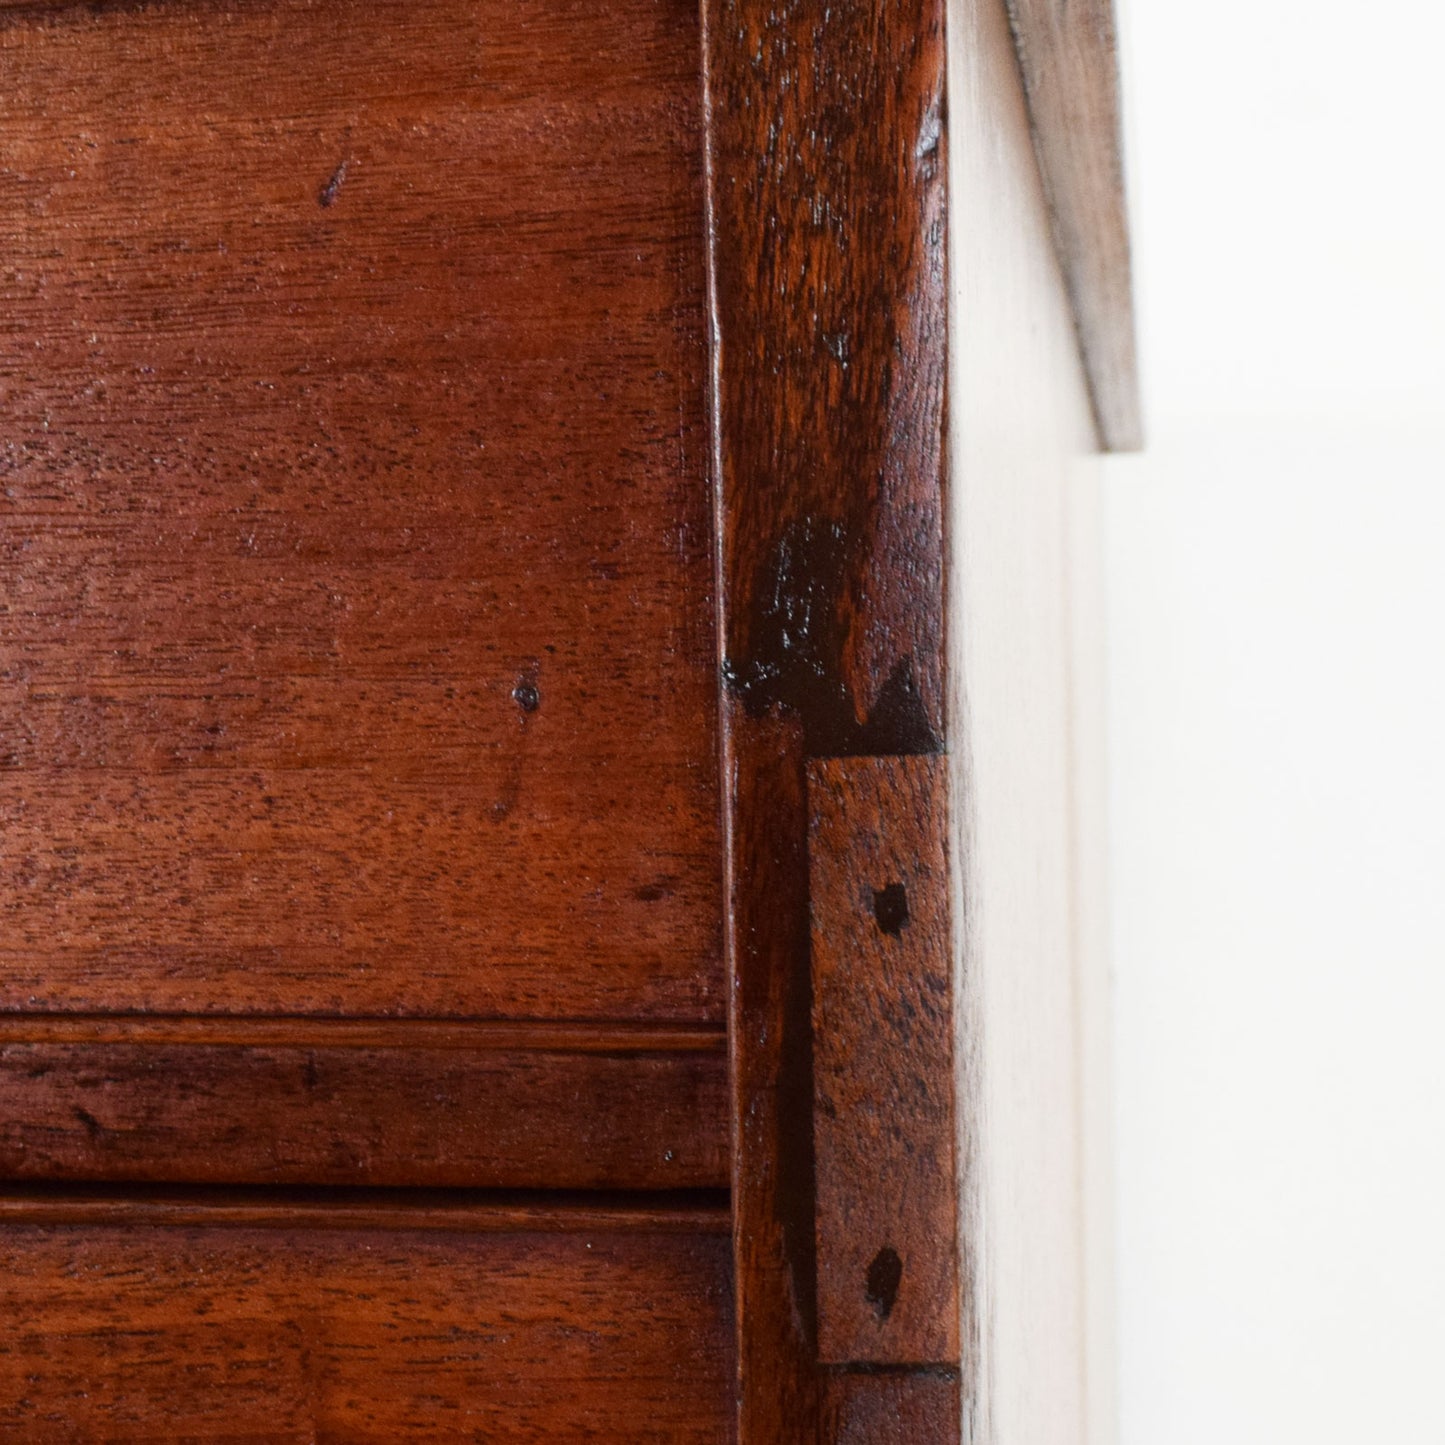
93,1126
890,908
326,196
799,639
885,1275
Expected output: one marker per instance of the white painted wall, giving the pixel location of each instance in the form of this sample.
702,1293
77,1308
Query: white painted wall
1276,579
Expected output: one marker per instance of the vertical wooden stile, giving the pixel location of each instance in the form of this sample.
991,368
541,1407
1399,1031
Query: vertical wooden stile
826,196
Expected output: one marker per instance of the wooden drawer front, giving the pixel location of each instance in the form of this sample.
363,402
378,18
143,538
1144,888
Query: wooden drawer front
299,1102
138,1331
356,653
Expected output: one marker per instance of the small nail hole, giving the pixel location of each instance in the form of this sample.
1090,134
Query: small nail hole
890,908
526,696
885,1274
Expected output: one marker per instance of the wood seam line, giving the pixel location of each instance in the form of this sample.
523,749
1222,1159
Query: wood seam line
259,1031
698,1212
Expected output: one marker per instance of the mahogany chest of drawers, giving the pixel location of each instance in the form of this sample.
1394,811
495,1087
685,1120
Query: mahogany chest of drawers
546,744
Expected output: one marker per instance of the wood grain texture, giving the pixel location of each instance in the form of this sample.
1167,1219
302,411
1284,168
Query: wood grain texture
884,1123
826,148
827,180
771,1039
232,1334
892,1408
356,647
403,1113
1068,54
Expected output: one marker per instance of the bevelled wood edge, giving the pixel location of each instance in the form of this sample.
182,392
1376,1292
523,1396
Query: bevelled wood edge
885,1115
277,1031
1068,56
826,170
698,1212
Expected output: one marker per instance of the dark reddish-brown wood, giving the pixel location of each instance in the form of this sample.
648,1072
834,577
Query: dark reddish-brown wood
358,725
407,765
893,1408
826,153
885,1119
356,652
504,1329
305,1102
